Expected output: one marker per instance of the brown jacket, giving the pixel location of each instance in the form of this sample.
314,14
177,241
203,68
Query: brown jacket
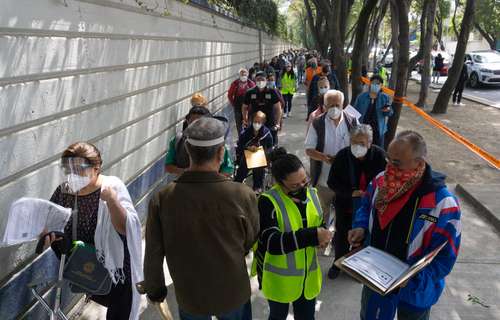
204,225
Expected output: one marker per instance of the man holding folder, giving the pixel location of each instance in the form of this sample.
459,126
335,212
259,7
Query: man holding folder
407,212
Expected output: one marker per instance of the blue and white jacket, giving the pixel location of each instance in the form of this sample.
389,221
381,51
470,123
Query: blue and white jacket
437,220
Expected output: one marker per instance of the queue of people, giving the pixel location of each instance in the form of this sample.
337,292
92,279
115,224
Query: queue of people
204,224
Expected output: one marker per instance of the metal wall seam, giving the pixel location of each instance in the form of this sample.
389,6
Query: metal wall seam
42,120
78,72
5,181
22,32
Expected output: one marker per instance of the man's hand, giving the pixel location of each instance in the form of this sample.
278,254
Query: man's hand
356,237
329,159
324,237
386,109
357,193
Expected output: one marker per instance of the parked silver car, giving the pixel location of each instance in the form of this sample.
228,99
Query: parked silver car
483,67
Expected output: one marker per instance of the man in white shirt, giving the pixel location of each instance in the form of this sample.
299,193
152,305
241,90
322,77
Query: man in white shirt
328,135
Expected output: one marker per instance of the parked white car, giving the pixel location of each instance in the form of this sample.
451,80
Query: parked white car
483,67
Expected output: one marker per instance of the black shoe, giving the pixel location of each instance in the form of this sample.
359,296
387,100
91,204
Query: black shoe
333,272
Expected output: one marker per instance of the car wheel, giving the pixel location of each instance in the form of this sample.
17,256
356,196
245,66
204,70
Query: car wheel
474,80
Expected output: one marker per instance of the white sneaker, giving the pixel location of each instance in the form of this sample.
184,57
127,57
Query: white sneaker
285,116
461,104
289,114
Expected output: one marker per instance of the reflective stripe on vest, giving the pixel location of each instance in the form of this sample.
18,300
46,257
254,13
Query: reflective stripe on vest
290,257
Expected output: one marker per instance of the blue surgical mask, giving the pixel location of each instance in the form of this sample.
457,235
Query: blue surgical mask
271,84
375,88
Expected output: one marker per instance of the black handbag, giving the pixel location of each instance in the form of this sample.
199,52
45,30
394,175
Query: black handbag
83,271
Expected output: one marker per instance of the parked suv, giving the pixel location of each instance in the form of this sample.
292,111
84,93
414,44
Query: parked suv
483,67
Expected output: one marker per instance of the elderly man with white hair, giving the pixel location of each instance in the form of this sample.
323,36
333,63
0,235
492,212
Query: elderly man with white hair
353,169
328,135
204,225
236,95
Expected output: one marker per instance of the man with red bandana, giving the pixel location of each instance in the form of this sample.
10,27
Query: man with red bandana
408,211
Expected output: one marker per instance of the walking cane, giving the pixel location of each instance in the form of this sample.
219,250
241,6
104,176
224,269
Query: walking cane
161,307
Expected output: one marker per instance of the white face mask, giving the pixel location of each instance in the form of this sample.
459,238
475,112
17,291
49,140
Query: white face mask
323,90
334,113
261,84
77,182
358,150
243,78
257,126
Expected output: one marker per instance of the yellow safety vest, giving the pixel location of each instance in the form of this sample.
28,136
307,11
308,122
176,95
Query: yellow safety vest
285,277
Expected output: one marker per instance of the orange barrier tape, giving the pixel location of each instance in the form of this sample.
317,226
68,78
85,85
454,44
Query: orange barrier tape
436,123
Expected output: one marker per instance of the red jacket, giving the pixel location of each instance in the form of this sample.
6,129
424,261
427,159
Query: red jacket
238,89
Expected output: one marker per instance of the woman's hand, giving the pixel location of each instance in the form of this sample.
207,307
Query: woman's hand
324,237
108,194
49,239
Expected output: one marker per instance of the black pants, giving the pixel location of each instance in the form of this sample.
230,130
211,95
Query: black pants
118,301
303,309
343,223
258,174
457,94
288,102
274,133
238,117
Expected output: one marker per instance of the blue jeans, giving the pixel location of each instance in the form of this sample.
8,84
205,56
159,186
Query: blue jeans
244,312
375,306
303,309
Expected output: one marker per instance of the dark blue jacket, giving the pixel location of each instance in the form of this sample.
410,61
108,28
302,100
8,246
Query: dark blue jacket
248,138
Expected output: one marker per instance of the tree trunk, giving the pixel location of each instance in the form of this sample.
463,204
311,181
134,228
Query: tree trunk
359,47
426,73
317,27
395,44
441,104
402,7
491,41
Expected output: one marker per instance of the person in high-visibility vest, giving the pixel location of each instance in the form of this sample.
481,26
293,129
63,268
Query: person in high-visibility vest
291,223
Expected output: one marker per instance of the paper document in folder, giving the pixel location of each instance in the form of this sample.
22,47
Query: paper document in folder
381,271
256,159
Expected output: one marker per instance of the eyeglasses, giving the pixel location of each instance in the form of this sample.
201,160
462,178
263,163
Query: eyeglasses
398,163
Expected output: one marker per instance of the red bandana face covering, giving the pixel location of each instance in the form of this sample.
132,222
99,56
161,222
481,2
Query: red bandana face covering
397,187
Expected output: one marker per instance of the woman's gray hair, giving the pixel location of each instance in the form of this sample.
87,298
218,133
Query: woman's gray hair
204,129
416,142
362,129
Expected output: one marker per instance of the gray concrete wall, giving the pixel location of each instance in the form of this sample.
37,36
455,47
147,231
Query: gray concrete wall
109,72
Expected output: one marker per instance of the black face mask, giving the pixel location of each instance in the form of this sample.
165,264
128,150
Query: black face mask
300,194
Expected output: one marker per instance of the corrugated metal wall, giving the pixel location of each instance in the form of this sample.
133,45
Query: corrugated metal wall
109,72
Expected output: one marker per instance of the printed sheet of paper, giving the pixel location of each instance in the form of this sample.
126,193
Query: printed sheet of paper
256,159
28,217
380,268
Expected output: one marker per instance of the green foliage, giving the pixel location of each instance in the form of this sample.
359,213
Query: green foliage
488,17
262,14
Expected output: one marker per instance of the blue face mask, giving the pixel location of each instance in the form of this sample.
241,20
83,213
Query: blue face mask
271,84
375,88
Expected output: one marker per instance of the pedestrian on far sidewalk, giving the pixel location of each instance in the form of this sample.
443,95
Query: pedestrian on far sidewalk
459,89
438,68
204,225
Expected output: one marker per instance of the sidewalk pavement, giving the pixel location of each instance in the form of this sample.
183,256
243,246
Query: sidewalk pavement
473,288
476,275
485,198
